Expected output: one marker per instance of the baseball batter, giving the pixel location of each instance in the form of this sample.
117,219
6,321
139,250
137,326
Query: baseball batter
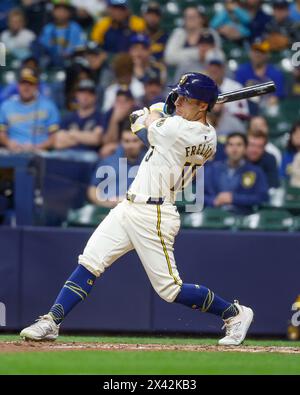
147,220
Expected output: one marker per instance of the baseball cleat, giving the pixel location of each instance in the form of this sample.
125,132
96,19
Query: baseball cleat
43,329
237,327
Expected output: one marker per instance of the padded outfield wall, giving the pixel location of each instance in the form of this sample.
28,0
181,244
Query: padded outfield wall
260,269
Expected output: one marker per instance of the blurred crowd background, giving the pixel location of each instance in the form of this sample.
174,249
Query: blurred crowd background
75,70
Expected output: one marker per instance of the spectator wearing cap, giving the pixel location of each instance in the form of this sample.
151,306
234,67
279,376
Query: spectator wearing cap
117,116
158,37
281,31
141,56
259,19
216,69
114,174
232,22
28,122
295,11
259,70
206,47
82,129
235,184
114,31
153,89
62,37
17,38
12,89
123,69
182,45
96,60
260,124
257,155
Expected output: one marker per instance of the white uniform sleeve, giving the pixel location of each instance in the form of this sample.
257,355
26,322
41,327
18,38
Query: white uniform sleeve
163,132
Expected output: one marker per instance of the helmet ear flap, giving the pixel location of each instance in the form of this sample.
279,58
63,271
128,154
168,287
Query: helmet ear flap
169,106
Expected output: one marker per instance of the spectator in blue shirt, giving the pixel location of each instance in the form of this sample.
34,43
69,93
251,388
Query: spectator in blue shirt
292,149
235,184
259,19
12,89
295,11
257,71
232,22
81,130
257,155
63,36
114,174
28,121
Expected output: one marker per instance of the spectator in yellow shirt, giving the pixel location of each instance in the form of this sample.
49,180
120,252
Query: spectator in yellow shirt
114,31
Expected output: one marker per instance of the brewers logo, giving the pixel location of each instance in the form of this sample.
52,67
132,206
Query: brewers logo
248,179
183,79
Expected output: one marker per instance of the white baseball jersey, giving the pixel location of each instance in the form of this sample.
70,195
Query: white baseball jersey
177,147
151,229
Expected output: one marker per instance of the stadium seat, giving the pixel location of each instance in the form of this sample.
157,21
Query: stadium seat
210,218
292,198
89,216
296,225
268,220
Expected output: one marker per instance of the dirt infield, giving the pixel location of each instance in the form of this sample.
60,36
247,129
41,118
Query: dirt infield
22,346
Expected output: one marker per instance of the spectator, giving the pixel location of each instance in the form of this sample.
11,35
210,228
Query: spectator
281,31
12,89
123,68
259,19
260,124
295,11
60,38
114,31
258,70
5,7
36,13
28,122
235,184
232,22
206,47
96,61
82,129
158,37
257,155
117,116
116,182
224,122
17,39
182,46
141,56
292,150
216,68
153,89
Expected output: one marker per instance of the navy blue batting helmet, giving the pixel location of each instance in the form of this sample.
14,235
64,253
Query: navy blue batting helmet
195,86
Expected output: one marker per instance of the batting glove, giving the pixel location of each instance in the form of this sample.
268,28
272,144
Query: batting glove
137,119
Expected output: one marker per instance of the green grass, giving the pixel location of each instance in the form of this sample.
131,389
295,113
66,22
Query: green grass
149,362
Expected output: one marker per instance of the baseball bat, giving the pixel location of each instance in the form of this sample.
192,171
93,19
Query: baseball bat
246,93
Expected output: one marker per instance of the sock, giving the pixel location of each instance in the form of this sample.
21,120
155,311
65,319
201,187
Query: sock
200,297
76,289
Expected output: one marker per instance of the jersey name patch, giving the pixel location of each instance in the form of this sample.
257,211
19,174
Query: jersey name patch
203,149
